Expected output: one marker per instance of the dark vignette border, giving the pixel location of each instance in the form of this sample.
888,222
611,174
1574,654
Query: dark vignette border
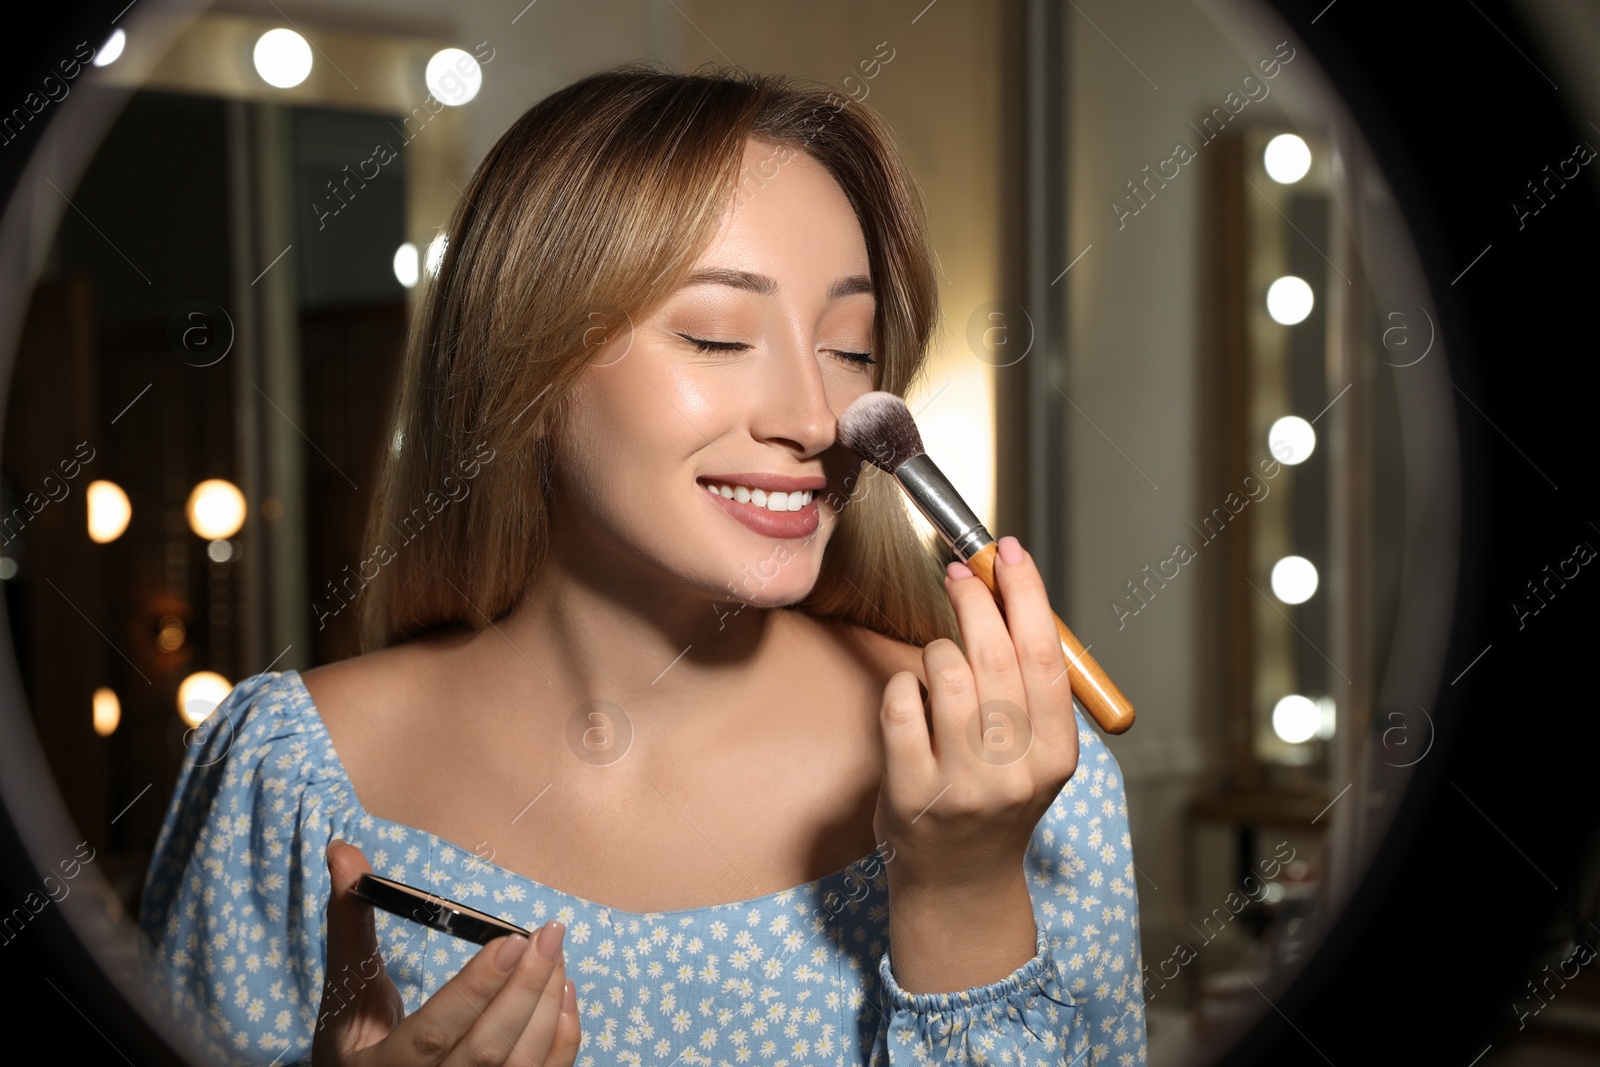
1423,963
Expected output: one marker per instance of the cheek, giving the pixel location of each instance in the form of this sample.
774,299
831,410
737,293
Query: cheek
627,436
586,458
695,405
655,399
622,417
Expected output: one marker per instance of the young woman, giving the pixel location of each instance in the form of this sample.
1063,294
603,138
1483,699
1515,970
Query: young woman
647,666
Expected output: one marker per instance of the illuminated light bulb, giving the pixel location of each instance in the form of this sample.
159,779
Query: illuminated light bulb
1330,718
1287,158
109,511
216,509
282,58
1294,579
1289,300
172,634
107,712
220,550
199,694
405,264
1292,440
453,77
1296,719
110,52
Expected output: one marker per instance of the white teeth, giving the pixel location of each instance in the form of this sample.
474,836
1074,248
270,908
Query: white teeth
792,501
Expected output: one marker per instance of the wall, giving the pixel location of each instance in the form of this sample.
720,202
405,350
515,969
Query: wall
1139,74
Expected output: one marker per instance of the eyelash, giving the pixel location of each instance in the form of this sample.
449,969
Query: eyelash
863,359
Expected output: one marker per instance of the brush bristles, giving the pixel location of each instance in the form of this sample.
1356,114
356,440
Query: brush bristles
879,428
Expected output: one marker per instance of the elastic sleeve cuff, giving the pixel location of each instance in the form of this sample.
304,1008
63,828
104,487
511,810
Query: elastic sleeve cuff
1029,1005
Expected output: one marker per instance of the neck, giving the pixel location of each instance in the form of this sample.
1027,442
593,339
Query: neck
595,625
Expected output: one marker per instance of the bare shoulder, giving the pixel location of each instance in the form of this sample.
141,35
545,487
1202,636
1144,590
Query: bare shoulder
350,693
343,689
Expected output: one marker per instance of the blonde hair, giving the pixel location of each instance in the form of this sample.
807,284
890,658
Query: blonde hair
586,213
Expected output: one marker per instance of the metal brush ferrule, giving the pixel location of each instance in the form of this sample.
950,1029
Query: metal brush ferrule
942,506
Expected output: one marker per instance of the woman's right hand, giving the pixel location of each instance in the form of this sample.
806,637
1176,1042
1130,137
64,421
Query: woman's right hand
510,1004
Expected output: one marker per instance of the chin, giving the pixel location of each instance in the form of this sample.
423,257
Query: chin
773,581
779,593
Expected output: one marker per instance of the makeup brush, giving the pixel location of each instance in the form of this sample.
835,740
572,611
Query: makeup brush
879,428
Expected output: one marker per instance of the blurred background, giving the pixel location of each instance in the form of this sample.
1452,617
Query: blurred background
1185,355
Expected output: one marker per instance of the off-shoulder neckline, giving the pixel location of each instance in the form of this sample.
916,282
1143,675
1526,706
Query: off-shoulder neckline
319,729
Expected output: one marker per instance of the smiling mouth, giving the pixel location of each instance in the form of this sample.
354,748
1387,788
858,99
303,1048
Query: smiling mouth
784,514
775,501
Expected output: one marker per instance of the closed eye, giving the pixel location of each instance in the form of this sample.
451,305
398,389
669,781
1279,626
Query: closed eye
863,358
715,346
860,358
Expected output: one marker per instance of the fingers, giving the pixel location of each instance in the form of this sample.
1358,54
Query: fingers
986,680
359,1004
952,696
985,633
435,1031
569,1030
909,761
519,1025
510,1004
352,935
1037,648
1019,713
1000,733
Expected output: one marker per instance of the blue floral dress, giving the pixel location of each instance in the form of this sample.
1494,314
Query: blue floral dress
233,926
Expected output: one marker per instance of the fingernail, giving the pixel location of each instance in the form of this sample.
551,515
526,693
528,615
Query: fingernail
569,999
548,943
958,570
1010,549
507,955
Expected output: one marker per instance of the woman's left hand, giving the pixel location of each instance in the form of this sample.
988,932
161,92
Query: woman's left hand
964,787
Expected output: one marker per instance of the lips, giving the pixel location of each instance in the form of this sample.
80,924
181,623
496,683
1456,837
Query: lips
767,523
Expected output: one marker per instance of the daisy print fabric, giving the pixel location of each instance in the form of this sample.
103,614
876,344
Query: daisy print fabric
233,926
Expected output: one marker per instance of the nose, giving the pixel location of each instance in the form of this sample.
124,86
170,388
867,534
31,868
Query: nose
795,409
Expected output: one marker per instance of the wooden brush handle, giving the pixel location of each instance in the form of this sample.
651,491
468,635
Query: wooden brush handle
1090,684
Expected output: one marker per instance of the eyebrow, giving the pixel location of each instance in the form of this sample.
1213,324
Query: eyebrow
767,286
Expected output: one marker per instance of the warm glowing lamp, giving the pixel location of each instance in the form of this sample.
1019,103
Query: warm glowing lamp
107,712
199,694
216,509
109,511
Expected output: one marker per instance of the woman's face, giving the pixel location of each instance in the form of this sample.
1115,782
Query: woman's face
737,380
